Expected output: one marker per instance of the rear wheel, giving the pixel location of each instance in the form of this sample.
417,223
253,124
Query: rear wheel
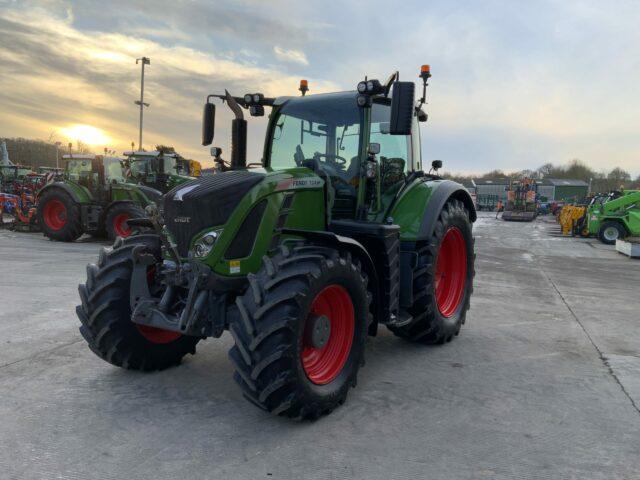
116,220
299,338
442,279
59,216
611,231
105,313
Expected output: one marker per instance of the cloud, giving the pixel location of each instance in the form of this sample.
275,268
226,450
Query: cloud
59,75
515,85
293,56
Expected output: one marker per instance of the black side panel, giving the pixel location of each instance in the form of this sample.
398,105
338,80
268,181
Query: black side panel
205,202
383,244
408,261
245,237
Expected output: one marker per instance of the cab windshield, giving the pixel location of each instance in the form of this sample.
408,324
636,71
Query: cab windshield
139,167
321,133
113,170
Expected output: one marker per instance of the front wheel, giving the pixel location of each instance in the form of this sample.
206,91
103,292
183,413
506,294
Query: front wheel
299,338
105,312
115,222
442,279
610,232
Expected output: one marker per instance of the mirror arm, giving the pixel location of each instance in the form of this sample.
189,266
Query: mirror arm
387,85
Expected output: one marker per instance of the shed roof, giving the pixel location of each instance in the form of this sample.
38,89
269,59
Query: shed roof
491,181
567,182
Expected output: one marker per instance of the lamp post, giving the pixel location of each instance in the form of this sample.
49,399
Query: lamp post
58,154
144,61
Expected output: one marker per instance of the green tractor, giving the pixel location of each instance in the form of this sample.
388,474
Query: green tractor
161,169
614,216
340,231
91,197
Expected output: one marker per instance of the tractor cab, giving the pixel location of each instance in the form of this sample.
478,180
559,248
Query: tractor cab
159,169
364,145
93,172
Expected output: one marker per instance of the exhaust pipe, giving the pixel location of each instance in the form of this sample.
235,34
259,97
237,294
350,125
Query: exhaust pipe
238,135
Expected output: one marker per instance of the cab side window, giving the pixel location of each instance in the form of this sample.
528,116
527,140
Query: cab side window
396,151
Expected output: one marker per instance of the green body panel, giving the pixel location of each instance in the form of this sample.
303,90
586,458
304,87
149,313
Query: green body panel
81,193
307,212
128,192
410,209
624,209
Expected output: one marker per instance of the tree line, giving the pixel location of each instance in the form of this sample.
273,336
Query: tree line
39,153
602,181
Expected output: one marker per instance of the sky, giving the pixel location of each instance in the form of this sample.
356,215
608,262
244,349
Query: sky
515,84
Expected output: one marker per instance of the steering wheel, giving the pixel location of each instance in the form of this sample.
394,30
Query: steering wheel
337,159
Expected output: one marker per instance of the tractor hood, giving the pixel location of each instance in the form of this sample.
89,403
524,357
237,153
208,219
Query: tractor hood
205,202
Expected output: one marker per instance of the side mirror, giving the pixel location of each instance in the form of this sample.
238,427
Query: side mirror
402,108
436,164
374,148
208,123
215,151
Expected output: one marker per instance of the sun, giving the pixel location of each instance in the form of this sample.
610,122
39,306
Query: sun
86,134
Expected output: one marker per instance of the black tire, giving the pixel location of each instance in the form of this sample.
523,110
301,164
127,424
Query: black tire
113,220
66,230
606,233
429,325
269,331
105,313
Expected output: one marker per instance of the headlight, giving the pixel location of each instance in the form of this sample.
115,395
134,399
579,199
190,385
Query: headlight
363,100
204,245
257,98
247,98
362,87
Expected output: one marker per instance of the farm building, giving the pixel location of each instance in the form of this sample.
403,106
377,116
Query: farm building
489,191
566,190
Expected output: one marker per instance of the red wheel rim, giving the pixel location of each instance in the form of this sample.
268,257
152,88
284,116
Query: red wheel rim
157,335
153,334
55,214
120,226
323,365
451,271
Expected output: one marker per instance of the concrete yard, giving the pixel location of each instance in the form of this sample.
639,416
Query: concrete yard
543,382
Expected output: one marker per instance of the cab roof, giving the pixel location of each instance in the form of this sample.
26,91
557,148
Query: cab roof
153,153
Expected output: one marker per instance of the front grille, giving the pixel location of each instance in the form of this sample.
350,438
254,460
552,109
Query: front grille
205,202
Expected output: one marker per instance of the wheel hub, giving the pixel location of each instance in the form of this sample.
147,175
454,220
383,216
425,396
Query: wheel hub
319,330
328,334
611,233
55,214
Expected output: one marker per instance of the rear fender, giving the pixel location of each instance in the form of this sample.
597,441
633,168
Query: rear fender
445,191
417,210
77,194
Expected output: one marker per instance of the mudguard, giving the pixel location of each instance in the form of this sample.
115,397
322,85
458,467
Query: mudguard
447,189
63,186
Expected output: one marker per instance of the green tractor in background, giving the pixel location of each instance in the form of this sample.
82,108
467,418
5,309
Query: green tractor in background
340,231
614,216
91,197
161,169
